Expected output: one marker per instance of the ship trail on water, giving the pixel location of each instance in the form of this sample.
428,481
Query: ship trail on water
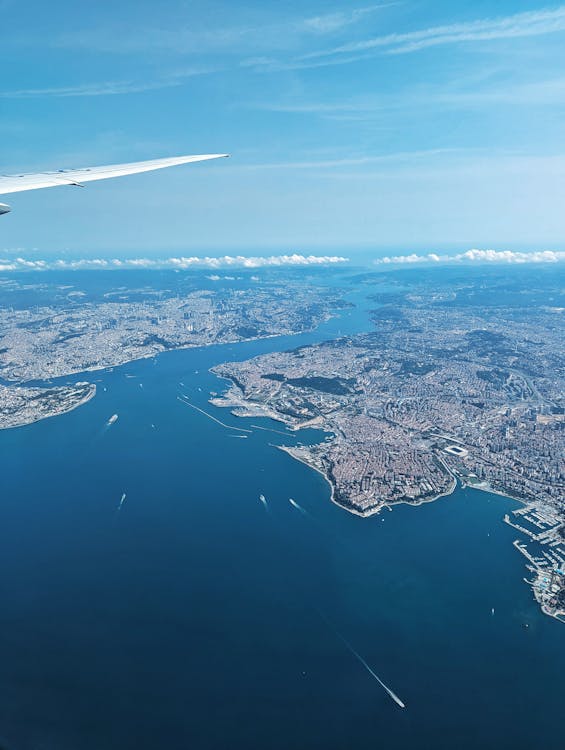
360,659
186,402
298,507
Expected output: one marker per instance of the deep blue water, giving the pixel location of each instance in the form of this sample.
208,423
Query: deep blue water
192,617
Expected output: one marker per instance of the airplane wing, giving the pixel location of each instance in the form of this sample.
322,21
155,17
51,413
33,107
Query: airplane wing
20,182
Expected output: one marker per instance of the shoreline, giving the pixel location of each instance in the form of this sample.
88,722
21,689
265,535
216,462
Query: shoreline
88,397
51,381
376,510
260,411
559,615
183,347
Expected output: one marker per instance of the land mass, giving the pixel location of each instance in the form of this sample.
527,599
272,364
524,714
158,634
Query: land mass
20,406
75,334
439,392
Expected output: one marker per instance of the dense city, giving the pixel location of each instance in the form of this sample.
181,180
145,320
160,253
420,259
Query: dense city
72,335
445,388
437,393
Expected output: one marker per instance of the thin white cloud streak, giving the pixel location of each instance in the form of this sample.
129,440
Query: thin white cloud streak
543,92
330,23
108,88
272,65
356,161
526,24
186,40
465,165
476,256
180,263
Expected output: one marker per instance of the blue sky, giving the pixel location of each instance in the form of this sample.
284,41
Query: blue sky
399,126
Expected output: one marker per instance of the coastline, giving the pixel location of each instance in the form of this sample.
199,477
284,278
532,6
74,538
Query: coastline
88,396
100,368
559,615
182,347
230,401
374,511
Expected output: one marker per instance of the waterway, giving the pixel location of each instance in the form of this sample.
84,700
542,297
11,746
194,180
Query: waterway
196,615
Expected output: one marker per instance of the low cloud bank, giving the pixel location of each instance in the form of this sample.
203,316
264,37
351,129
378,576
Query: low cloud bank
477,256
226,261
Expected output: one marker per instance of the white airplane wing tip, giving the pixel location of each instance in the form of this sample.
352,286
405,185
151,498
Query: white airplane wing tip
17,183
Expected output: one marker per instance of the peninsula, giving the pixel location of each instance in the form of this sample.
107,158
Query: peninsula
440,391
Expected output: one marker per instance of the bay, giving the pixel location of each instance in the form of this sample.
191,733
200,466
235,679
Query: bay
194,616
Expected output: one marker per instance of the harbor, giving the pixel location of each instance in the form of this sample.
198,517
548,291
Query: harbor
545,553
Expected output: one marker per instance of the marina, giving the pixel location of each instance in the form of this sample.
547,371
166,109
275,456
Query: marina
545,555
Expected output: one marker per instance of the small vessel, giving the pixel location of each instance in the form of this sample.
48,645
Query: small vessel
298,507
113,419
492,611
263,499
122,501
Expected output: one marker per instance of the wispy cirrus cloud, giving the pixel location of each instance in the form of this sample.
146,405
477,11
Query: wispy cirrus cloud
274,65
518,25
356,161
187,40
330,23
179,263
529,23
476,256
530,93
109,88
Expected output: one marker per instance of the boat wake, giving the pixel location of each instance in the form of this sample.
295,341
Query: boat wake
186,402
362,661
298,507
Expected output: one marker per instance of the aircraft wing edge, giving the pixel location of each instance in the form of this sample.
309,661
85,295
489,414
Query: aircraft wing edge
19,183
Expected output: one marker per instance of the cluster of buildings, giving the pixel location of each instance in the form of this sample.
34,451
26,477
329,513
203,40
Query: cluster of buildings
20,405
50,341
75,332
433,395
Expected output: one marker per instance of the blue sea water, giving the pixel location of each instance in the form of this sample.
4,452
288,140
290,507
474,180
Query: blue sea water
194,617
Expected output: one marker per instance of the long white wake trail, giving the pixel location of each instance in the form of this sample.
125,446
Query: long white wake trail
359,658
186,402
